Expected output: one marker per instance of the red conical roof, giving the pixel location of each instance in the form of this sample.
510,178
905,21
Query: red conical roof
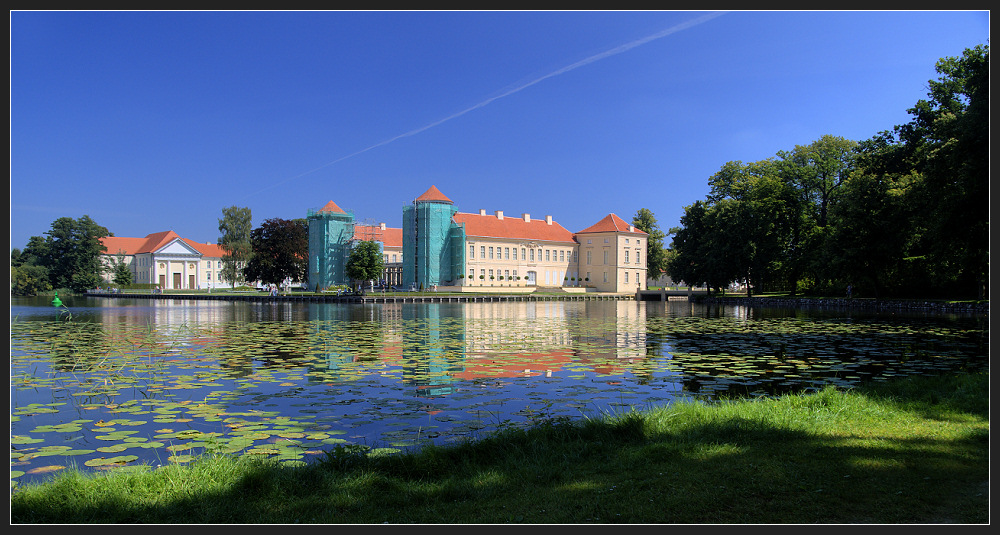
433,195
611,223
331,207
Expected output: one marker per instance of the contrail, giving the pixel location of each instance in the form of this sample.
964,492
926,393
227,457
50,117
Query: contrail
568,68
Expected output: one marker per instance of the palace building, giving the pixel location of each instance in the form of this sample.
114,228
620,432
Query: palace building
439,246
166,259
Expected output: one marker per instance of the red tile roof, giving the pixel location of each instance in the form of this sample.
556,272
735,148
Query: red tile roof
155,242
611,223
433,195
390,237
331,207
491,226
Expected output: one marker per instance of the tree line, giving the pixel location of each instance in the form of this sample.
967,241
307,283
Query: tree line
69,255
903,214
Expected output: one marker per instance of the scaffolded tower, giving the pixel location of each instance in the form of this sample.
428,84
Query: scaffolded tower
432,241
331,231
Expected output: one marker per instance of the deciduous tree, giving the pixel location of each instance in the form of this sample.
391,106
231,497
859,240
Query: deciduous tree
70,252
280,251
235,226
365,263
656,259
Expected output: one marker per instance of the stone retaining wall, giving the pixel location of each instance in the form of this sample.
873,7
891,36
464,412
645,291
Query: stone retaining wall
859,304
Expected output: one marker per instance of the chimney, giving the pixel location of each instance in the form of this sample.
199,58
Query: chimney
526,218
482,211
631,228
499,214
381,226
548,220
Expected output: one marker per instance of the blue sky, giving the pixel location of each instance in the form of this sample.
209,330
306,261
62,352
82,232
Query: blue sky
153,121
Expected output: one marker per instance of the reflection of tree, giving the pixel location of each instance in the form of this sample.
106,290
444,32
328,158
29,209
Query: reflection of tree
345,336
234,356
283,345
362,340
73,346
761,353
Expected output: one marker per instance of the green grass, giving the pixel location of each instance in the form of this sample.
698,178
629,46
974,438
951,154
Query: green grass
910,451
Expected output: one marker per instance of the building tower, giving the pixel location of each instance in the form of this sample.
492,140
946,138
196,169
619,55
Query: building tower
331,231
432,241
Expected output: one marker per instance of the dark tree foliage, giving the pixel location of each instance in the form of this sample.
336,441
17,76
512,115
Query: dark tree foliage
949,140
905,213
280,250
70,253
916,223
27,278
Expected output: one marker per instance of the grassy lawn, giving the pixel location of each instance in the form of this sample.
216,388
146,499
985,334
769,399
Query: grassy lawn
914,450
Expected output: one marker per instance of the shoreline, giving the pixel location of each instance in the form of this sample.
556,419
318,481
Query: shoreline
867,304
370,298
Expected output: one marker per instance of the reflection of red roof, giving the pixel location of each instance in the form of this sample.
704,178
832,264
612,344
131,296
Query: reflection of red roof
479,368
433,195
611,223
491,226
331,207
155,242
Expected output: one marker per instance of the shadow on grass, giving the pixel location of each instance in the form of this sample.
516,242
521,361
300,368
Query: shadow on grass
684,466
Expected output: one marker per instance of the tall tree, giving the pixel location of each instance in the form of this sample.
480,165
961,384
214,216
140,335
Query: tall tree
656,258
699,252
753,213
280,251
235,226
949,135
869,234
71,252
365,263
819,170
937,166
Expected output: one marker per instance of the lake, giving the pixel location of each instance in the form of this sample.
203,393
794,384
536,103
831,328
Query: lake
111,383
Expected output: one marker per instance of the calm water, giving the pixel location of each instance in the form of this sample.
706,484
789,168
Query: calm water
106,383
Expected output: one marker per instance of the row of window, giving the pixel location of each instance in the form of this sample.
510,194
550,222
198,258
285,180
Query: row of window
510,253
550,255
607,240
626,257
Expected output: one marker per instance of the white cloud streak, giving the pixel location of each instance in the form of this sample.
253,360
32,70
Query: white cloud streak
587,61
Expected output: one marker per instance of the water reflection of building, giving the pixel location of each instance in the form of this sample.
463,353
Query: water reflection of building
435,345
607,336
614,337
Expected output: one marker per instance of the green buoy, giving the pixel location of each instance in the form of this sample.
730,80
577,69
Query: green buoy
56,302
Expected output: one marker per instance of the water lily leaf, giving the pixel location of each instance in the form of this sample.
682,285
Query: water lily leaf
110,461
